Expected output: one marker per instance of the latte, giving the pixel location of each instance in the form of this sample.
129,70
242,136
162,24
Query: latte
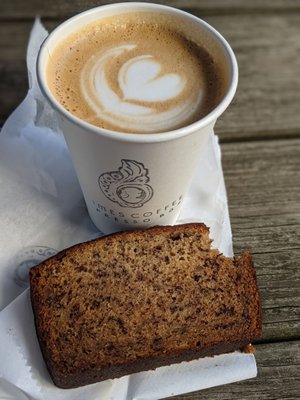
135,72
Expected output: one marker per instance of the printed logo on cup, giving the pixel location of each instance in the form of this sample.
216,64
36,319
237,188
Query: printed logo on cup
129,186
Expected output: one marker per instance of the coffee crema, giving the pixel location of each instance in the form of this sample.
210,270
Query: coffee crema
134,72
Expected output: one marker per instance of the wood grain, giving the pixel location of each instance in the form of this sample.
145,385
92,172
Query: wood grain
278,377
263,186
266,104
57,8
13,73
267,101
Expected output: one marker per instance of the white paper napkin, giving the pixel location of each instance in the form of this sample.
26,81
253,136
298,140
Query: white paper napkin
43,211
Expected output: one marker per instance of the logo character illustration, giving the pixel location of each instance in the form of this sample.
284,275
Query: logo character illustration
128,186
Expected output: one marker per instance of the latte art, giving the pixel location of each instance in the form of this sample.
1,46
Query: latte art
140,80
134,73
146,96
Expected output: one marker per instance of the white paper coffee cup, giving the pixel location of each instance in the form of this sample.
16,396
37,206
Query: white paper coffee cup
134,180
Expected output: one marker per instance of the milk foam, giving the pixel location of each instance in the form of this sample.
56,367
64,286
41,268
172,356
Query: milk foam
134,73
140,81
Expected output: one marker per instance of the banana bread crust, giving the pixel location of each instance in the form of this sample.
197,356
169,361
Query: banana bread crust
137,300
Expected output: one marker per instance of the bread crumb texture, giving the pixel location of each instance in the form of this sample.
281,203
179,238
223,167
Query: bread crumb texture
137,300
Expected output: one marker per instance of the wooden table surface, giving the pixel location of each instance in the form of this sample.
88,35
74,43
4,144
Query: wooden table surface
260,142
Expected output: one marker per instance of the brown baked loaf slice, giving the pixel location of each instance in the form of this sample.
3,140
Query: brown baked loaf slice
138,300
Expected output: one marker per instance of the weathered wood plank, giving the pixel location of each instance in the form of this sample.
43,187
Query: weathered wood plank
278,377
268,97
280,294
263,186
57,8
13,74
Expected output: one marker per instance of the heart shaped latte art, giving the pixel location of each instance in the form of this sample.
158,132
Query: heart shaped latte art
139,80
147,99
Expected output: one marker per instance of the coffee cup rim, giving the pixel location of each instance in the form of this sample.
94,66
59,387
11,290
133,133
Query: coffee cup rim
207,120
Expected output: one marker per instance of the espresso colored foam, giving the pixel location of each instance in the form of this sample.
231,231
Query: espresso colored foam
135,73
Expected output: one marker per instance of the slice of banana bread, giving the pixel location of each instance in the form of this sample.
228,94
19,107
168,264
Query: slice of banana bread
138,300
